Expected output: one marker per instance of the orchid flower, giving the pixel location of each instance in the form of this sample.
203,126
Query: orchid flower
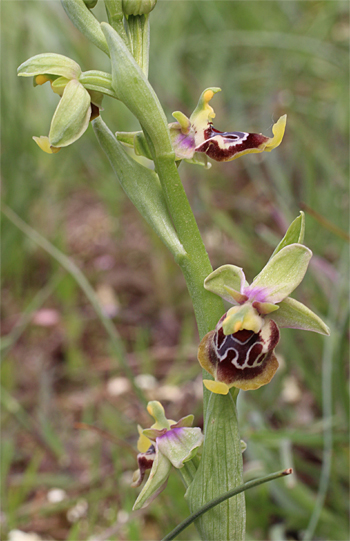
167,443
197,134
240,351
77,105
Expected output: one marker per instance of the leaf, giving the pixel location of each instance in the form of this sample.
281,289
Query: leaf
220,470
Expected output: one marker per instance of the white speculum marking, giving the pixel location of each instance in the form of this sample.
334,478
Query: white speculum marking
229,350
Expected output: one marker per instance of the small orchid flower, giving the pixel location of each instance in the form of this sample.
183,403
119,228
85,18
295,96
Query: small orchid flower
240,351
77,105
197,134
165,444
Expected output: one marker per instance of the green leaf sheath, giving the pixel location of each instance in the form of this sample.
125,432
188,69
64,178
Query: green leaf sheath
141,186
220,470
85,22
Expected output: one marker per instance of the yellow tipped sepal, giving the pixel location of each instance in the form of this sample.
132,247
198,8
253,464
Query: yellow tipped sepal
44,143
217,387
278,130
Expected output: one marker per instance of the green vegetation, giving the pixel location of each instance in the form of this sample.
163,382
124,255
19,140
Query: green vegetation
59,356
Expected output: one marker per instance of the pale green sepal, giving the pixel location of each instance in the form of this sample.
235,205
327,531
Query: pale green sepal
180,444
59,84
184,421
99,81
152,433
133,89
220,470
295,315
141,147
51,64
283,273
85,22
142,186
295,233
126,137
156,481
199,158
72,115
227,276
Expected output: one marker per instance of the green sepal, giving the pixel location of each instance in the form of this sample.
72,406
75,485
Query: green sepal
142,186
137,140
180,444
72,115
127,137
49,64
133,89
223,278
220,470
283,272
294,235
184,421
152,433
295,315
85,22
156,481
59,84
199,159
141,147
98,81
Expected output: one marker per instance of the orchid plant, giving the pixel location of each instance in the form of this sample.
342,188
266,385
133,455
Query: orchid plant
236,349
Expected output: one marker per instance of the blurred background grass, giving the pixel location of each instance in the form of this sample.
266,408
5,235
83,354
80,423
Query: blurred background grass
58,365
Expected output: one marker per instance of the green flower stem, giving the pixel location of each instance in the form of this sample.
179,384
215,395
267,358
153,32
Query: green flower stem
139,34
115,14
222,498
134,90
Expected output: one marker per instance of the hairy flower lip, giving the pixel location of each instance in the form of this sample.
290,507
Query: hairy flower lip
245,359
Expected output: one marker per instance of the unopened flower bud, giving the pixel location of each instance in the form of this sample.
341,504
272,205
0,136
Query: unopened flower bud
90,3
138,7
